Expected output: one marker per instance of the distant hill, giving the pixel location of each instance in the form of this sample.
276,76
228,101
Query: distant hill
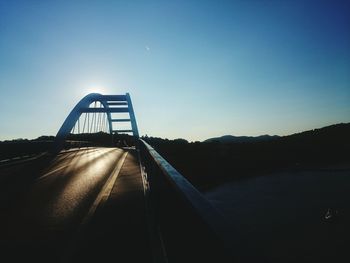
332,132
236,139
339,131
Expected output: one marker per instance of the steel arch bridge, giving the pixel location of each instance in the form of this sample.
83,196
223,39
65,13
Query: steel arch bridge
101,119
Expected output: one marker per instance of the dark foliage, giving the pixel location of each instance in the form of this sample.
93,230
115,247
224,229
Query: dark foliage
208,163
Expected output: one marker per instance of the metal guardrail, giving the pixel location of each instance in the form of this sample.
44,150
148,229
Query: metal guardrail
18,150
192,229
68,144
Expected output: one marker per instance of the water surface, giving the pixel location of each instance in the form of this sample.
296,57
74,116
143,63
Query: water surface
283,213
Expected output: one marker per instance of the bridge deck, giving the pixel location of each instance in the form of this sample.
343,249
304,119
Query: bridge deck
118,230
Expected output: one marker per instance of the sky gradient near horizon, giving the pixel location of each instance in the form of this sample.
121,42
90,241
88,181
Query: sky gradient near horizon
194,69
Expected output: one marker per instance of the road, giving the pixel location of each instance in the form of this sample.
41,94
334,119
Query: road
43,202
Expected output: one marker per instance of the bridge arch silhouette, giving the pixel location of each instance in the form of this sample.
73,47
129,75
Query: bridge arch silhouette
111,104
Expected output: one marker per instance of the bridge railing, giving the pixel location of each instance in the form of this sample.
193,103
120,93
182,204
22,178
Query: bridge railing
191,229
22,149
68,144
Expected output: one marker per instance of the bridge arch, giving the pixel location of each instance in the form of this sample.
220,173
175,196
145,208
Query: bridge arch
123,103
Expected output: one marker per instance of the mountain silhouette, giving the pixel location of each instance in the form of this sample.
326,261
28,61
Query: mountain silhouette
235,139
332,132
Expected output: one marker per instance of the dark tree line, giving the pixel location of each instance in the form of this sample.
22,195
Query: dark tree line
208,163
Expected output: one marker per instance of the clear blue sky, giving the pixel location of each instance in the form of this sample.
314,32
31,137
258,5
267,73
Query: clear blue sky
194,69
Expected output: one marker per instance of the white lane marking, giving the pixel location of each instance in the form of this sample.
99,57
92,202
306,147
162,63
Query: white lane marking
106,190
49,173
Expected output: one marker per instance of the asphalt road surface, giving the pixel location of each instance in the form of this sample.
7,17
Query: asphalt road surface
43,202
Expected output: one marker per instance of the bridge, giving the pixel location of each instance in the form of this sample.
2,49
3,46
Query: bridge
101,195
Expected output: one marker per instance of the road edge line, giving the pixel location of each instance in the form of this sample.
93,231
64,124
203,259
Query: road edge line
105,191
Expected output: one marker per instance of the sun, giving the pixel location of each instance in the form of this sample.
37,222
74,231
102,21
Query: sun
96,89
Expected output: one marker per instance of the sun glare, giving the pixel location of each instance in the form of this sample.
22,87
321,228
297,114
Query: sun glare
96,89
